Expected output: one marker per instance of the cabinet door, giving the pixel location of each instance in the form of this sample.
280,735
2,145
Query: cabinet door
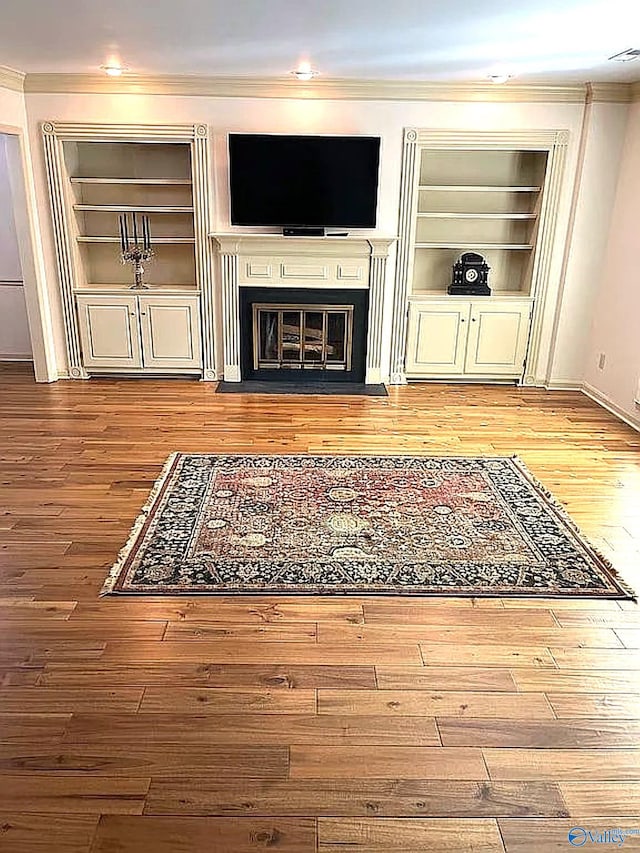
498,335
437,337
109,331
170,328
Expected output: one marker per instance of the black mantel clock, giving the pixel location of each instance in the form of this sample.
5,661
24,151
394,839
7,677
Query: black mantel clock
470,276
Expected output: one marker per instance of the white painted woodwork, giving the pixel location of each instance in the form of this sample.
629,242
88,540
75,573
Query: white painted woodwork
498,334
170,327
94,172
437,338
496,192
319,262
109,331
458,337
126,332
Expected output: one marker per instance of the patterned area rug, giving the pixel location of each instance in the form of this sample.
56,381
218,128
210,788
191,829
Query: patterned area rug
352,524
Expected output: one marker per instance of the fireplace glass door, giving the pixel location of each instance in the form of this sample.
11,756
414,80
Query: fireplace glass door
302,337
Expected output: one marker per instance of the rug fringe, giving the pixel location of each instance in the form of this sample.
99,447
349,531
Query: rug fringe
114,572
560,510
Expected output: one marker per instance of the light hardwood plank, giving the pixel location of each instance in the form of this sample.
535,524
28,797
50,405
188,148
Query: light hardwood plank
355,797
212,700
340,762
226,651
602,706
614,799
286,677
14,700
402,702
101,732
447,635
561,734
614,765
173,834
55,793
30,833
535,835
444,678
437,654
448,835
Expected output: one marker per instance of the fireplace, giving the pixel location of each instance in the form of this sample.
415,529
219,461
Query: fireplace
303,334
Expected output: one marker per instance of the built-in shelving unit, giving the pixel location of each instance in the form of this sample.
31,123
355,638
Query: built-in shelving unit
96,174
473,192
107,179
486,201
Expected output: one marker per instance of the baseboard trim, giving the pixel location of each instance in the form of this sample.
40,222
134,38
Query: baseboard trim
608,404
560,385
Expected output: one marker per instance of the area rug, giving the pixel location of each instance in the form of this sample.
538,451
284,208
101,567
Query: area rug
360,525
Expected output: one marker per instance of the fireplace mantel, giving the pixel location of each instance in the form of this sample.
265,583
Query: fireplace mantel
259,260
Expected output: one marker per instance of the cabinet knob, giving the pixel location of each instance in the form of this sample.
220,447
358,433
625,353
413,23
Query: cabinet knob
143,313
473,319
462,319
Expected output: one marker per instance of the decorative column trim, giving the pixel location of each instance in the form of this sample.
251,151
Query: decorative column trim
230,313
204,276
548,220
66,272
404,258
377,280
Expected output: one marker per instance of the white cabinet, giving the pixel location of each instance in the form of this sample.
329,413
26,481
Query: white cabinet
437,337
497,338
460,338
170,331
131,333
109,331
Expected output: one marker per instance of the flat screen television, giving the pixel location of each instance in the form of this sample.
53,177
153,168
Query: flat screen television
304,181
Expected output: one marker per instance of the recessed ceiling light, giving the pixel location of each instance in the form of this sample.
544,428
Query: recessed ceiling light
113,69
499,77
304,71
626,55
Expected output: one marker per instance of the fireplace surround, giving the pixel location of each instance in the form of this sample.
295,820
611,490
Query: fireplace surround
303,334
319,278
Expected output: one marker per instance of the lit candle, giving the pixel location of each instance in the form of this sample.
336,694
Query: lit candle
126,233
135,229
148,235
122,241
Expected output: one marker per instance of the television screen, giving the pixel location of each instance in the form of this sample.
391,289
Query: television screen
314,181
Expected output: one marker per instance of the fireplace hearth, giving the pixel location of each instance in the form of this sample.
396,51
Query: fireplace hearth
288,333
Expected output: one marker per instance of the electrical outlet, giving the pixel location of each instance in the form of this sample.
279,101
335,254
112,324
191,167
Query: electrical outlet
602,360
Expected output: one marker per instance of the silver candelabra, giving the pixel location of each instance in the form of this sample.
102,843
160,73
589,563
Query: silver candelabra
133,250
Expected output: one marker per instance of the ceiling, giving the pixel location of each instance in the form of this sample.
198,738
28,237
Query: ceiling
418,40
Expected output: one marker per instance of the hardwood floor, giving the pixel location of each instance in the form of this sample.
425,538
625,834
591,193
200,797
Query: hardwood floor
158,725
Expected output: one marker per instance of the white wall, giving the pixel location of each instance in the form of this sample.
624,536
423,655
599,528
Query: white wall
15,343
13,122
615,330
384,118
603,141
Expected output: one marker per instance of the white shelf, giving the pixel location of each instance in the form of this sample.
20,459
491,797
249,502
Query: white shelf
133,208
471,245
477,215
152,289
473,188
158,240
161,182
419,295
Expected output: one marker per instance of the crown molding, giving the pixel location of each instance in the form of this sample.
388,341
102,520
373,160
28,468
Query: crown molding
612,93
324,89
11,79
337,88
